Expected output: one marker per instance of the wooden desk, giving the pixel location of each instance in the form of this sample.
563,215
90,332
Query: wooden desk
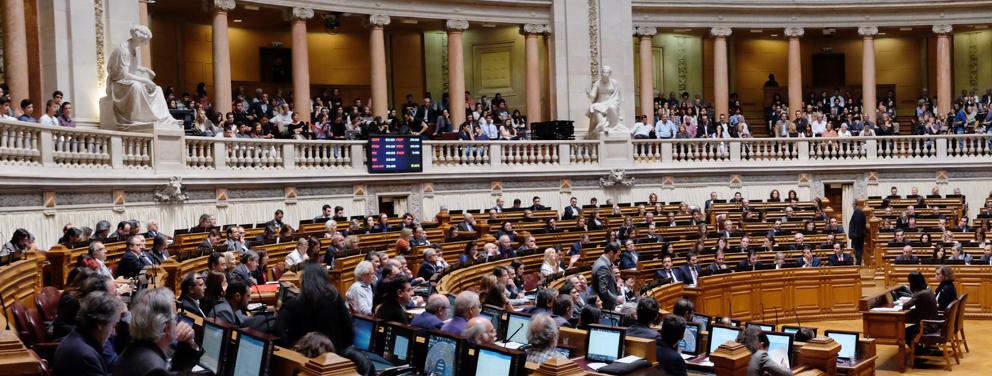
887,328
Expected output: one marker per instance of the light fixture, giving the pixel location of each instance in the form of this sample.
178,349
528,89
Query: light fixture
905,29
981,26
755,30
409,22
488,25
237,20
774,35
251,7
881,33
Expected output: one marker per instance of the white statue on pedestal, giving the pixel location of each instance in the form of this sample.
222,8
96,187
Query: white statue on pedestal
606,97
138,104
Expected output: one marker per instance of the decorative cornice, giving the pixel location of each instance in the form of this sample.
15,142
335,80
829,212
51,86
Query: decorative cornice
297,13
458,25
645,31
942,29
721,31
379,19
101,60
794,32
218,5
868,31
535,29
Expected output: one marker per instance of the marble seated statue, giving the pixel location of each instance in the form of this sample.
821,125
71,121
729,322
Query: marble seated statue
134,100
606,98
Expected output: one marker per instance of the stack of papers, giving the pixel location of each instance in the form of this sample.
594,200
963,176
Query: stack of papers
886,309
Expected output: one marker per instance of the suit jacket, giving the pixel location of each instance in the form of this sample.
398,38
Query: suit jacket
627,260
223,311
571,212
330,254
241,271
142,356
833,258
744,265
79,354
686,274
640,331
189,305
426,270
669,360
761,363
508,252
714,267
857,224
464,226
390,310
814,263
838,230
674,274
427,321
427,114
131,264
603,283
256,108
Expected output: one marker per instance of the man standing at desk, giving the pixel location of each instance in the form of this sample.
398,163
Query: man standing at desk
856,231
604,285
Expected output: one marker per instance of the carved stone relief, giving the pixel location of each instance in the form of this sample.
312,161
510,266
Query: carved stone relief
83,198
27,199
236,193
594,39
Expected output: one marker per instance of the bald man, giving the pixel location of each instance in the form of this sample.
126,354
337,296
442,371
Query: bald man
479,331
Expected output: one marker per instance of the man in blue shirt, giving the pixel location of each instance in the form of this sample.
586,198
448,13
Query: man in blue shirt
665,129
27,107
960,119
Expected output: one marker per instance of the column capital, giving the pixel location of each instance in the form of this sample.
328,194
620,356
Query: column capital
794,32
645,31
942,29
379,20
535,29
868,31
218,5
720,32
297,13
456,25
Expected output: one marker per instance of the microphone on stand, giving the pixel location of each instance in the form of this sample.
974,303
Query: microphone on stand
776,314
511,335
762,311
731,315
797,317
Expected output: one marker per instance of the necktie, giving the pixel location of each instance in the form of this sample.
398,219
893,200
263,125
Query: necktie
695,276
671,274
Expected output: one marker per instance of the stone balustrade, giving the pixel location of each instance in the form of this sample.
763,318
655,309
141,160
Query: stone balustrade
28,147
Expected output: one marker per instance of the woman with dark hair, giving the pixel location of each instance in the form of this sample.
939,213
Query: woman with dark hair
19,244
471,251
590,315
491,292
946,292
216,284
518,267
318,308
922,306
200,96
939,253
810,226
757,343
793,195
925,239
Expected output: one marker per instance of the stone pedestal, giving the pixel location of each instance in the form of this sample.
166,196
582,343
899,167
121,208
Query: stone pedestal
615,148
169,151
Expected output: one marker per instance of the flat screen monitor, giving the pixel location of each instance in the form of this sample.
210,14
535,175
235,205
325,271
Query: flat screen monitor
720,334
604,343
516,327
566,351
790,329
848,342
495,315
764,327
364,326
690,340
188,321
703,320
253,353
394,154
397,342
780,347
610,318
215,342
442,354
498,361
451,303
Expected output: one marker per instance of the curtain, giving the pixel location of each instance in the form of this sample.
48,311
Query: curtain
847,195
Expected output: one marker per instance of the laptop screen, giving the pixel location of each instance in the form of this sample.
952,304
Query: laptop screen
605,345
780,347
251,353
690,340
720,335
493,363
363,333
516,328
848,343
213,345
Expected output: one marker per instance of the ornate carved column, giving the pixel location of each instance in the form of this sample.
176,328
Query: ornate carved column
943,67
795,68
456,72
377,45
721,78
868,71
15,46
644,35
146,51
301,61
222,53
533,59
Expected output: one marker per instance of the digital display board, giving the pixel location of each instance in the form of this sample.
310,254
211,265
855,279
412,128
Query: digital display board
394,154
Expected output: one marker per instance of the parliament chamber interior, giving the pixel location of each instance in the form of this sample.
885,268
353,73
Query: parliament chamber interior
241,188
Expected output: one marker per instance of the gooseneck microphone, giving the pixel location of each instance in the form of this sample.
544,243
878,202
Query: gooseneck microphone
762,311
797,317
731,313
511,335
776,314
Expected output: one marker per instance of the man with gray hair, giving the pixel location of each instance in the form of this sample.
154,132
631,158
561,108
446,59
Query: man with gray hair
99,252
428,267
434,314
504,247
154,329
102,230
360,293
249,262
337,245
467,307
152,229
81,352
542,335
480,331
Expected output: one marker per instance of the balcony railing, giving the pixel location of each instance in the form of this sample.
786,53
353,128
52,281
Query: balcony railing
25,147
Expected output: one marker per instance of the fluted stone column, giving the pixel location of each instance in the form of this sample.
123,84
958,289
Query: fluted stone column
644,35
721,78
533,61
222,53
146,50
301,62
868,71
456,72
943,67
15,46
377,45
795,68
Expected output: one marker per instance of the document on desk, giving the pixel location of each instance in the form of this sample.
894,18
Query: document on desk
596,366
629,359
887,309
688,356
706,363
416,311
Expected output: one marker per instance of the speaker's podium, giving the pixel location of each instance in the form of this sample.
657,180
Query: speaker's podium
553,130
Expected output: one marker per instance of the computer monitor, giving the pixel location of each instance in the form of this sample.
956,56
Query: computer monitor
566,351
720,334
495,315
364,327
516,327
192,324
443,350
703,320
848,342
690,341
605,343
610,318
254,350
498,361
780,347
451,303
395,342
215,344
790,329
765,327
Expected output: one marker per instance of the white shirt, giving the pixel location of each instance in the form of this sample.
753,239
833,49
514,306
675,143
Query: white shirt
48,120
283,120
819,126
641,129
835,98
294,258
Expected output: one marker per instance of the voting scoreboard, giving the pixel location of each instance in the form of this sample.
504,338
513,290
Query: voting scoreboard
394,154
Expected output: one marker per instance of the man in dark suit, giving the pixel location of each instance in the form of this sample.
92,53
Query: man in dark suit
262,108
249,262
572,210
429,266
435,312
604,284
899,240
236,298
713,197
833,227
537,205
745,244
629,256
193,290
398,295
689,272
667,271
648,313
468,225
134,259
907,254
718,263
504,247
552,226
838,255
751,263
337,245
652,234
856,229
670,362
82,351
776,228
426,112
147,350
808,260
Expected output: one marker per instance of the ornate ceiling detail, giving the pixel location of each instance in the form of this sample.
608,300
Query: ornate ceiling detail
868,31
794,32
645,31
458,25
720,32
379,20
942,29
